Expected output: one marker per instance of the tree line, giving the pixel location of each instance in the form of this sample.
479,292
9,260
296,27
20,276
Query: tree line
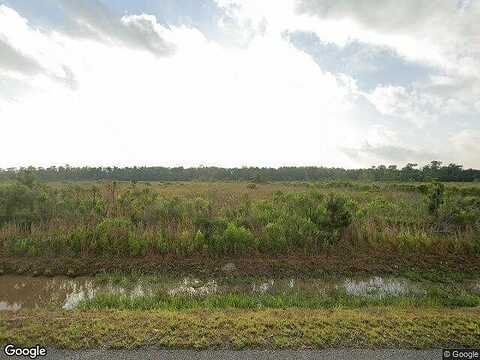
410,172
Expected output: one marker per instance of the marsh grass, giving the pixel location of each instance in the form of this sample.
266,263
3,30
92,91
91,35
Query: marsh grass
235,219
433,297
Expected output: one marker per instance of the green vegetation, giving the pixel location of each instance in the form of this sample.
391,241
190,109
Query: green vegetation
372,327
410,172
134,220
434,297
422,231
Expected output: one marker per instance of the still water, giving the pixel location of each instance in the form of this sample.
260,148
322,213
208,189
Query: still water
18,291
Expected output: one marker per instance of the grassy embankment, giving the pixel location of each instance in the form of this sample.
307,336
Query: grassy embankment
375,327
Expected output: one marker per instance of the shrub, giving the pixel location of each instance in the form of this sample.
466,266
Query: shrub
436,197
113,236
24,246
458,213
200,242
185,244
275,240
171,211
137,246
237,240
17,204
160,244
151,214
339,214
81,240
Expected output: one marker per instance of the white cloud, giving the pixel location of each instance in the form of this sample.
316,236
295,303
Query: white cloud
396,101
90,19
467,143
267,103
142,93
438,32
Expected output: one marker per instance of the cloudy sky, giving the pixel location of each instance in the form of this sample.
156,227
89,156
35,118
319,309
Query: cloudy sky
239,82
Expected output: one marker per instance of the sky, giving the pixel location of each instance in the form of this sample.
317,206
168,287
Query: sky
239,82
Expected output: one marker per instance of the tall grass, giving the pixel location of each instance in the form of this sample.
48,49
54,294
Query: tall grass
238,220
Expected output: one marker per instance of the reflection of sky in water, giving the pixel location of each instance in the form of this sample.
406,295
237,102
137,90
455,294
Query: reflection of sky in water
476,287
263,287
193,287
376,287
8,306
78,294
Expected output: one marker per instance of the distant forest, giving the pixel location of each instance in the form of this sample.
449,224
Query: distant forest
410,172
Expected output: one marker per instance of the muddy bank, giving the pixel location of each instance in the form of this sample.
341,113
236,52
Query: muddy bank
285,266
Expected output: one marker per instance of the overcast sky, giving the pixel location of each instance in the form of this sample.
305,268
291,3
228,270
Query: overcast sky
239,82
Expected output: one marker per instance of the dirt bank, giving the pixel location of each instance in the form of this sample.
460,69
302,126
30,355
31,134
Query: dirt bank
250,266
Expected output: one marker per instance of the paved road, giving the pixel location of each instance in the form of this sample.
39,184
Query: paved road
237,355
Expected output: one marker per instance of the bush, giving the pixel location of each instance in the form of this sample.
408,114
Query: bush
17,204
81,240
113,236
275,240
436,197
339,214
456,213
200,242
236,240
160,244
185,245
24,246
137,246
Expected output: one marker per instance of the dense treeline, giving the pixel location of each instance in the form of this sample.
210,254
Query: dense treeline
410,172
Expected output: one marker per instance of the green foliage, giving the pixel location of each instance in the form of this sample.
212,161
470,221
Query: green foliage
275,240
339,214
236,240
113,236
24,246
26,178
135,219
458,213
137,246
17,204
436,197
434,170
81,240
160,244
434,296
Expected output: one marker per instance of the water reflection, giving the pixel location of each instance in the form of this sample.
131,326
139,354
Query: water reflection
17,291
377,287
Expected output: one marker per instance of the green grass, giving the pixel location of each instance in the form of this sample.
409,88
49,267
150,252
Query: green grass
434,297
130,279
372,327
